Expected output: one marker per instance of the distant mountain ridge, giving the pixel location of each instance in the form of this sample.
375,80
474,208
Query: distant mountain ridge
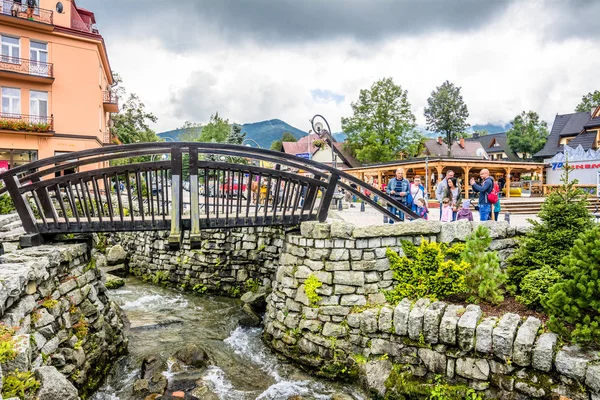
263,132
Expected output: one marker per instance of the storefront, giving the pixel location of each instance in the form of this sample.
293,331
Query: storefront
10,158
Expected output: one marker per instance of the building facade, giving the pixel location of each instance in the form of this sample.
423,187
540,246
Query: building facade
55,80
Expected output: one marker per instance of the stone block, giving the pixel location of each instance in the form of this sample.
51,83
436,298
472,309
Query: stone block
473,368
415,319
334,330
572,361
368,321
363,265
543,352
343,289
350,278
337,266
353,300
431,321
449,323
455,231
504,334
466,327
335,310
434,361
483,335
523,346
375,373
385,319
401,313
592,378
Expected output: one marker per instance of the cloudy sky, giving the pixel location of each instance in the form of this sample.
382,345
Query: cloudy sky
253,60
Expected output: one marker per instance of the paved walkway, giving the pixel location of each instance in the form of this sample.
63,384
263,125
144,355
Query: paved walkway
373,217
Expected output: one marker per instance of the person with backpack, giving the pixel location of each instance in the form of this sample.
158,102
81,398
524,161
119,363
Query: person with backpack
417,191
487,194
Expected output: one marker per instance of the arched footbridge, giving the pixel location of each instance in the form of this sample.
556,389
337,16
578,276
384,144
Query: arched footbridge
176,187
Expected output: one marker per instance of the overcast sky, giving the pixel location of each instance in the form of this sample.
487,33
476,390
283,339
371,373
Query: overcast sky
253,60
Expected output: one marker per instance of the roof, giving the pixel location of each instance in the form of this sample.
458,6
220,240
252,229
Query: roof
593,123
345,155
586,140
564,125
434,148
305,145
488,141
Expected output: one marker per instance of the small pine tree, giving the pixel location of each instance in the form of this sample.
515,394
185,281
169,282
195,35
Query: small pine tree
575,301
563,216
485,278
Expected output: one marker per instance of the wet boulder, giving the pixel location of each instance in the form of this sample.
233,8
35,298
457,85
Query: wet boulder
250,318
54,385
192,355
257,300
151,366
202,392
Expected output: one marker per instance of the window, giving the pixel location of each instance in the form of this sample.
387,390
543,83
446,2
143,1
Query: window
10,50
38,106
10,158
38,53
11,102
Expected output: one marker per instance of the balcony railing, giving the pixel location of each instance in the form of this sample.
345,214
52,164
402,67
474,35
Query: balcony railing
26,123
79,24
24,66
110,97
39,14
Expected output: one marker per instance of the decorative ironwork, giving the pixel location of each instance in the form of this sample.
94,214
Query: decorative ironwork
69,193
26,123
39,14
25,66
110,97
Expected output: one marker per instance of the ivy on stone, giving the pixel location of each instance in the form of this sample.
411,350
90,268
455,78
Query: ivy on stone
575,301
311,284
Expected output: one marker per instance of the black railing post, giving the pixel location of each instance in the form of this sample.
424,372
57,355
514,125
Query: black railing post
32,238
195,238
327,197
176,199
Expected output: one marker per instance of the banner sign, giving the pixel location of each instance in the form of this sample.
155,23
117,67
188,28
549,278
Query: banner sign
303,155
559,165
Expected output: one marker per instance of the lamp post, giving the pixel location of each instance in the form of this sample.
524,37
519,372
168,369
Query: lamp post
251,141
320,130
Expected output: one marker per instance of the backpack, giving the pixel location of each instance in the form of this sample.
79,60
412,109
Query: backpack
492,196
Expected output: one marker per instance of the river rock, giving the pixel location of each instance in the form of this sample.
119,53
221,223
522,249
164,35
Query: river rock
257,300
116,255
54,385
250,318
202,392
113,281
192,355
152,365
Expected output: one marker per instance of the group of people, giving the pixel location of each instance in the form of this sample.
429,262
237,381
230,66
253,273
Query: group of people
18,6
449,194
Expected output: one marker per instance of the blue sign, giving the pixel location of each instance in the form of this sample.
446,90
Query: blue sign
303,155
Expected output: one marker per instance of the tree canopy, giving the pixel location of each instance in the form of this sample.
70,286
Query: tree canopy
286,137
588,102
217,130
528,133
382,125
447,113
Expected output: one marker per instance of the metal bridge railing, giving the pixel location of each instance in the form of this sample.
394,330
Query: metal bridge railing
195,186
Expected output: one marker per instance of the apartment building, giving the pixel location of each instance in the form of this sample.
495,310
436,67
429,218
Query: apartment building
55,80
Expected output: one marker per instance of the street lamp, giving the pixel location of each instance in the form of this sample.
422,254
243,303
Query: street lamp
320,130
252,141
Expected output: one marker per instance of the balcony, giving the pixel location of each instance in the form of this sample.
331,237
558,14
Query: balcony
32,124
111,102
27,70
41,18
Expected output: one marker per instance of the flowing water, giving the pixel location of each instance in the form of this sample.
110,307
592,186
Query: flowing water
243,368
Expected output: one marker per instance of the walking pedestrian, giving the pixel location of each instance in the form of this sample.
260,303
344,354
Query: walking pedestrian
484,189
417,191
398,188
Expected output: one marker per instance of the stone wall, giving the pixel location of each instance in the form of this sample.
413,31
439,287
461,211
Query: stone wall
226,260
351,330
63,322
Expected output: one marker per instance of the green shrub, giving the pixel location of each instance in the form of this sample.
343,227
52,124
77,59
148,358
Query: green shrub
563,216
6,204
575,300
311,284
484,278
536,284
426,271
19,384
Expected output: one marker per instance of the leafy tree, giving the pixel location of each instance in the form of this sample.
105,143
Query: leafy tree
131,124
589,102
447,113
236,136
575,300
485,278
382,124
528,133
481,132
286,137
563,216
217,130
192,132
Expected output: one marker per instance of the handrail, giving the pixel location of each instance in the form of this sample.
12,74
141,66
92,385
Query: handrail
149,195
27,123
26,66
39,14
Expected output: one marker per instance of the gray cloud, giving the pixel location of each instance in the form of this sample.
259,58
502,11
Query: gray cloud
182,23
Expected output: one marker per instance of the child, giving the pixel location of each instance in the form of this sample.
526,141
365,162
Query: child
465,211
422,208
446,210
497,209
